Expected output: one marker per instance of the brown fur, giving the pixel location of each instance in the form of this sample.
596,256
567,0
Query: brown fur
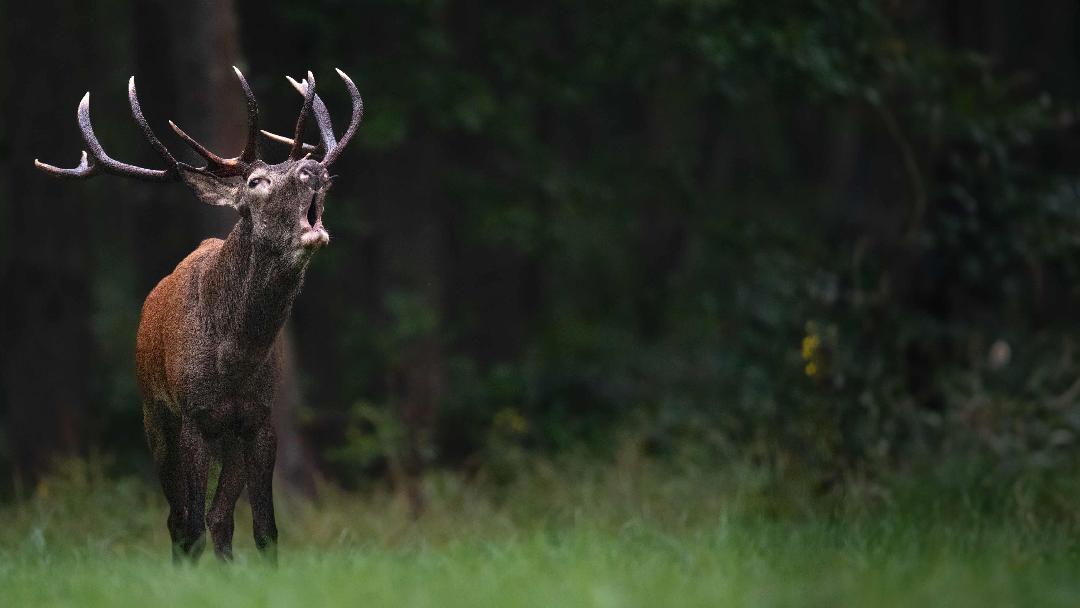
208,351
161,342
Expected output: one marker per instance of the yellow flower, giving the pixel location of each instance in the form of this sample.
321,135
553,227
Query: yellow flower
811,369
810,345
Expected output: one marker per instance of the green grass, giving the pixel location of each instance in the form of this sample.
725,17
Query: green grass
626,535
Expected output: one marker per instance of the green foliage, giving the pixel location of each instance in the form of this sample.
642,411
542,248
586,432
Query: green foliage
825,234
665,181
708,346
625,533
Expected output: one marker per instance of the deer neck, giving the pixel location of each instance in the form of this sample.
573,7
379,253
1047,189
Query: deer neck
249,289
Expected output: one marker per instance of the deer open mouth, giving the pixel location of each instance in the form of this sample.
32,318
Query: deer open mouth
313,211
313,234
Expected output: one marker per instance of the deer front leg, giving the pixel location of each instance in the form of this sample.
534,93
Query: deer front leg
163,436
230,484
259,451
196,465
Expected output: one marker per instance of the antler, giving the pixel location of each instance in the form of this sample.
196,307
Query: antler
95,160
238,165
297,149
328,145
98,161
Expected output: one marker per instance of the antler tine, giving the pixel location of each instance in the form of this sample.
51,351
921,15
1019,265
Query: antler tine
308,148
214,161
354,122
85,169
298,138
225,167
251,149
97,160
136,112
322,116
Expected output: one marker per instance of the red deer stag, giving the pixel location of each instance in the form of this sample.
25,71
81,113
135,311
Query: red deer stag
209,342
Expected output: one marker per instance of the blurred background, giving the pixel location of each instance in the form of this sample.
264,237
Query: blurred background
830,237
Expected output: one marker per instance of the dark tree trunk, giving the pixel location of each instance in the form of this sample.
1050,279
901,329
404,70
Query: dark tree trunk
295,463
45,343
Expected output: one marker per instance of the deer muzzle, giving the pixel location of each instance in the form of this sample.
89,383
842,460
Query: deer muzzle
314,234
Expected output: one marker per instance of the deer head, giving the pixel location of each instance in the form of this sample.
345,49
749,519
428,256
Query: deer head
284,201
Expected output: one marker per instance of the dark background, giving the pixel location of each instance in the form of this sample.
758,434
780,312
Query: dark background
834,237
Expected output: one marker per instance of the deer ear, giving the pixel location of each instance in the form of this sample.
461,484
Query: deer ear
210,189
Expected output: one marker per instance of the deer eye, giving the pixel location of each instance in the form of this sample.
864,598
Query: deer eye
255,181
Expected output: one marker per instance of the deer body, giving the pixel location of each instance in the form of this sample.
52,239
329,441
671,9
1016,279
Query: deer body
214,322
206,359
208,343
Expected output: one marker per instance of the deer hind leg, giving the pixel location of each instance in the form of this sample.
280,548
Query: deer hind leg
230,484
259,451
195,467
163,436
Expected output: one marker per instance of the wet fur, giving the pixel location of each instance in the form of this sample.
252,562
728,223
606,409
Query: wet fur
208,351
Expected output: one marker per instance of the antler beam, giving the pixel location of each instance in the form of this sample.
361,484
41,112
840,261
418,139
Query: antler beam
97,160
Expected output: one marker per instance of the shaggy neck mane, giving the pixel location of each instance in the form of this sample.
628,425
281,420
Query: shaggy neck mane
249,287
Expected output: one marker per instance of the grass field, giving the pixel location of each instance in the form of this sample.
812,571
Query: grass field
627,535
